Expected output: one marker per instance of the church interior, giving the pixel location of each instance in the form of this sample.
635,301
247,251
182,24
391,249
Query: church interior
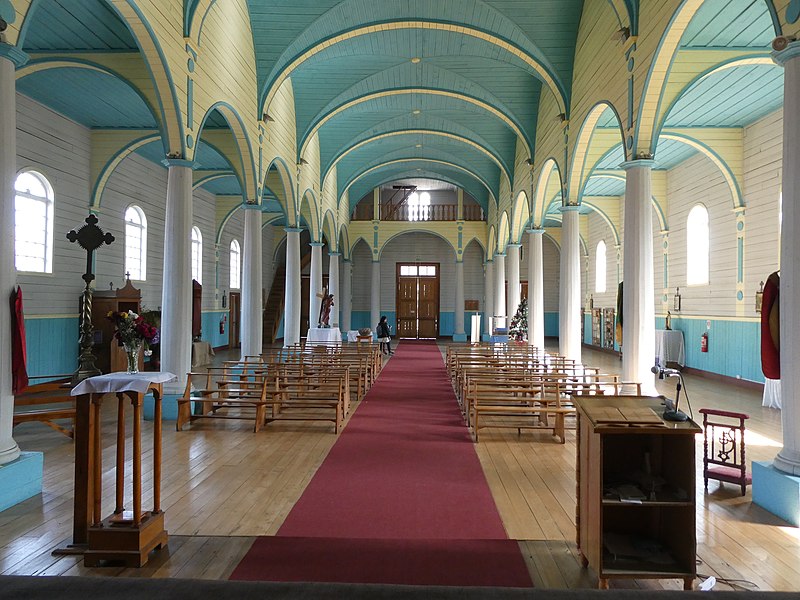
602,188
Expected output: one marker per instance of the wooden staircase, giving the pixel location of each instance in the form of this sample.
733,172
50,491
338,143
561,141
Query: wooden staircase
273,312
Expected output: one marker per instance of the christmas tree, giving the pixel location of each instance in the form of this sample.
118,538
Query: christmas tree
519,323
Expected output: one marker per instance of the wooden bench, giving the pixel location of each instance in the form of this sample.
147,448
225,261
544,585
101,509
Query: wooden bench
47,402
519,407
224,388
311,395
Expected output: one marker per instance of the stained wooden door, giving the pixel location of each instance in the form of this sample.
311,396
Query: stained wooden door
234,317
417,300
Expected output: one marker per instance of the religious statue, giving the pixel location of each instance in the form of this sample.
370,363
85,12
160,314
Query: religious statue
325,308
668,321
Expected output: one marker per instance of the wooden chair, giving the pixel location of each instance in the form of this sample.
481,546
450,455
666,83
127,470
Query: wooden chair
723,444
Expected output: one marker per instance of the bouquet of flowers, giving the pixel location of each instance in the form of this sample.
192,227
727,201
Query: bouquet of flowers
132,329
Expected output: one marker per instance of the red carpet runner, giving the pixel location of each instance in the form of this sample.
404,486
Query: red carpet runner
401,497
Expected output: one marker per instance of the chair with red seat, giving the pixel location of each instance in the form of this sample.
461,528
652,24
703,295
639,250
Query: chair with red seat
724,450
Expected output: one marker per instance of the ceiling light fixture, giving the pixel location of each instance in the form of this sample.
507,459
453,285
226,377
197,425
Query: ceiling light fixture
416,111
418,146
416,60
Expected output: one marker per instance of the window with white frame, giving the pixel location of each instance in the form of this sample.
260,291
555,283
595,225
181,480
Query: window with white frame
419,206
33,223
136,243
197,255
600,268
236,266
697,246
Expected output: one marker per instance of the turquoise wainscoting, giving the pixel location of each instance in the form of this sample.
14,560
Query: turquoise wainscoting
447,324
21,479
551,324
361,318
733,346
52,344
587,328
210,324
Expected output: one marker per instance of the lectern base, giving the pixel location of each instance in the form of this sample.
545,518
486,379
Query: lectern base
122,542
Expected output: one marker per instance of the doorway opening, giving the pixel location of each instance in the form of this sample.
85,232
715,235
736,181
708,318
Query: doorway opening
417,300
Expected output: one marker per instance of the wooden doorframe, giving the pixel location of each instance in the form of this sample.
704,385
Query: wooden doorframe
234,319
437,277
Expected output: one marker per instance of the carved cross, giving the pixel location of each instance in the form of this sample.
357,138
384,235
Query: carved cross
90,237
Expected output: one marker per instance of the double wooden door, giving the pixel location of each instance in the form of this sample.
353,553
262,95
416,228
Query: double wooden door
417,300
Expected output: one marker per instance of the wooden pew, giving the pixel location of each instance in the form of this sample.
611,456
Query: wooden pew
47,402
310,393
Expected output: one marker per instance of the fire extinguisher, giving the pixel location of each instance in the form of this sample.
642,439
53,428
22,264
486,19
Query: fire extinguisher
704,342
222,321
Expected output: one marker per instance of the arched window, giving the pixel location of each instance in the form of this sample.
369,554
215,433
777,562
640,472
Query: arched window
136,243
697,245
236,266
600,268
33,223
197,255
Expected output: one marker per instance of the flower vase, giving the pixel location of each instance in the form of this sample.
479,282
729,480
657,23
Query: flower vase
132,356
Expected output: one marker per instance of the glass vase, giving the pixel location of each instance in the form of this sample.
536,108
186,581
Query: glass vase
132,357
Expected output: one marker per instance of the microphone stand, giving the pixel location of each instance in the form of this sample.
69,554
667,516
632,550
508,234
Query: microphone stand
672,413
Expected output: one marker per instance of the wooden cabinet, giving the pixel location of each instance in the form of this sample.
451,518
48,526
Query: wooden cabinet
110,355
636,490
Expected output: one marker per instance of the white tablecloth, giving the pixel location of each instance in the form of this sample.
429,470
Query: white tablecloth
772,393
669,347
352,335
121,382
475,329
323,335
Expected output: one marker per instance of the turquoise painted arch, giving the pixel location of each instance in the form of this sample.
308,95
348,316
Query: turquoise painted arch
416,229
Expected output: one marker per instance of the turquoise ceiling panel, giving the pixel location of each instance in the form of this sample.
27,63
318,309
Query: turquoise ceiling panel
604,186
608,120
91,98
671,153
612,159
215,120
227,186
75,25
730,24
372,114
732,97
407,122
430,147
545,29
208,157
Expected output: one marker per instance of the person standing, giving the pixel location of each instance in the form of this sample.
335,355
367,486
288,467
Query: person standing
384,336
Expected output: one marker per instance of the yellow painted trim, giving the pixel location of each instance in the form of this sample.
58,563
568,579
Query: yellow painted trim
53,316
404,92
385,27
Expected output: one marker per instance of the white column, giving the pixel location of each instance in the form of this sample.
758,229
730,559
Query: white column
291,303
333,286
176,289
512,267
488,295
375,298
569,297
252,313
458,321
347,295
535,289
314,301
788,459
10,57
638,309
500,286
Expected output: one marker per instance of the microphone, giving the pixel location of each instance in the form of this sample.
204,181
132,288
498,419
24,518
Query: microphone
661,371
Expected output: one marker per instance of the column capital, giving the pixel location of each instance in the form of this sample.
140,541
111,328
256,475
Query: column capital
316,244
334,253
179,162
513,246
569,208
781,57
251,206
539,230
293,229
639,163
14,54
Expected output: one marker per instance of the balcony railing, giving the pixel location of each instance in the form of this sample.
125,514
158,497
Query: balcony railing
434,212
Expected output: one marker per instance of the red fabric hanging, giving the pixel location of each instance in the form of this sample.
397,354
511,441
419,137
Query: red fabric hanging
19,352
770,323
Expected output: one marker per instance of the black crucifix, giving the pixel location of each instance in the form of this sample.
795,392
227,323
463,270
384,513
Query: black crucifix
89,237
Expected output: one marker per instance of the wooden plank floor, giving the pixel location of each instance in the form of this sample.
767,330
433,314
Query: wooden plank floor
223,485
